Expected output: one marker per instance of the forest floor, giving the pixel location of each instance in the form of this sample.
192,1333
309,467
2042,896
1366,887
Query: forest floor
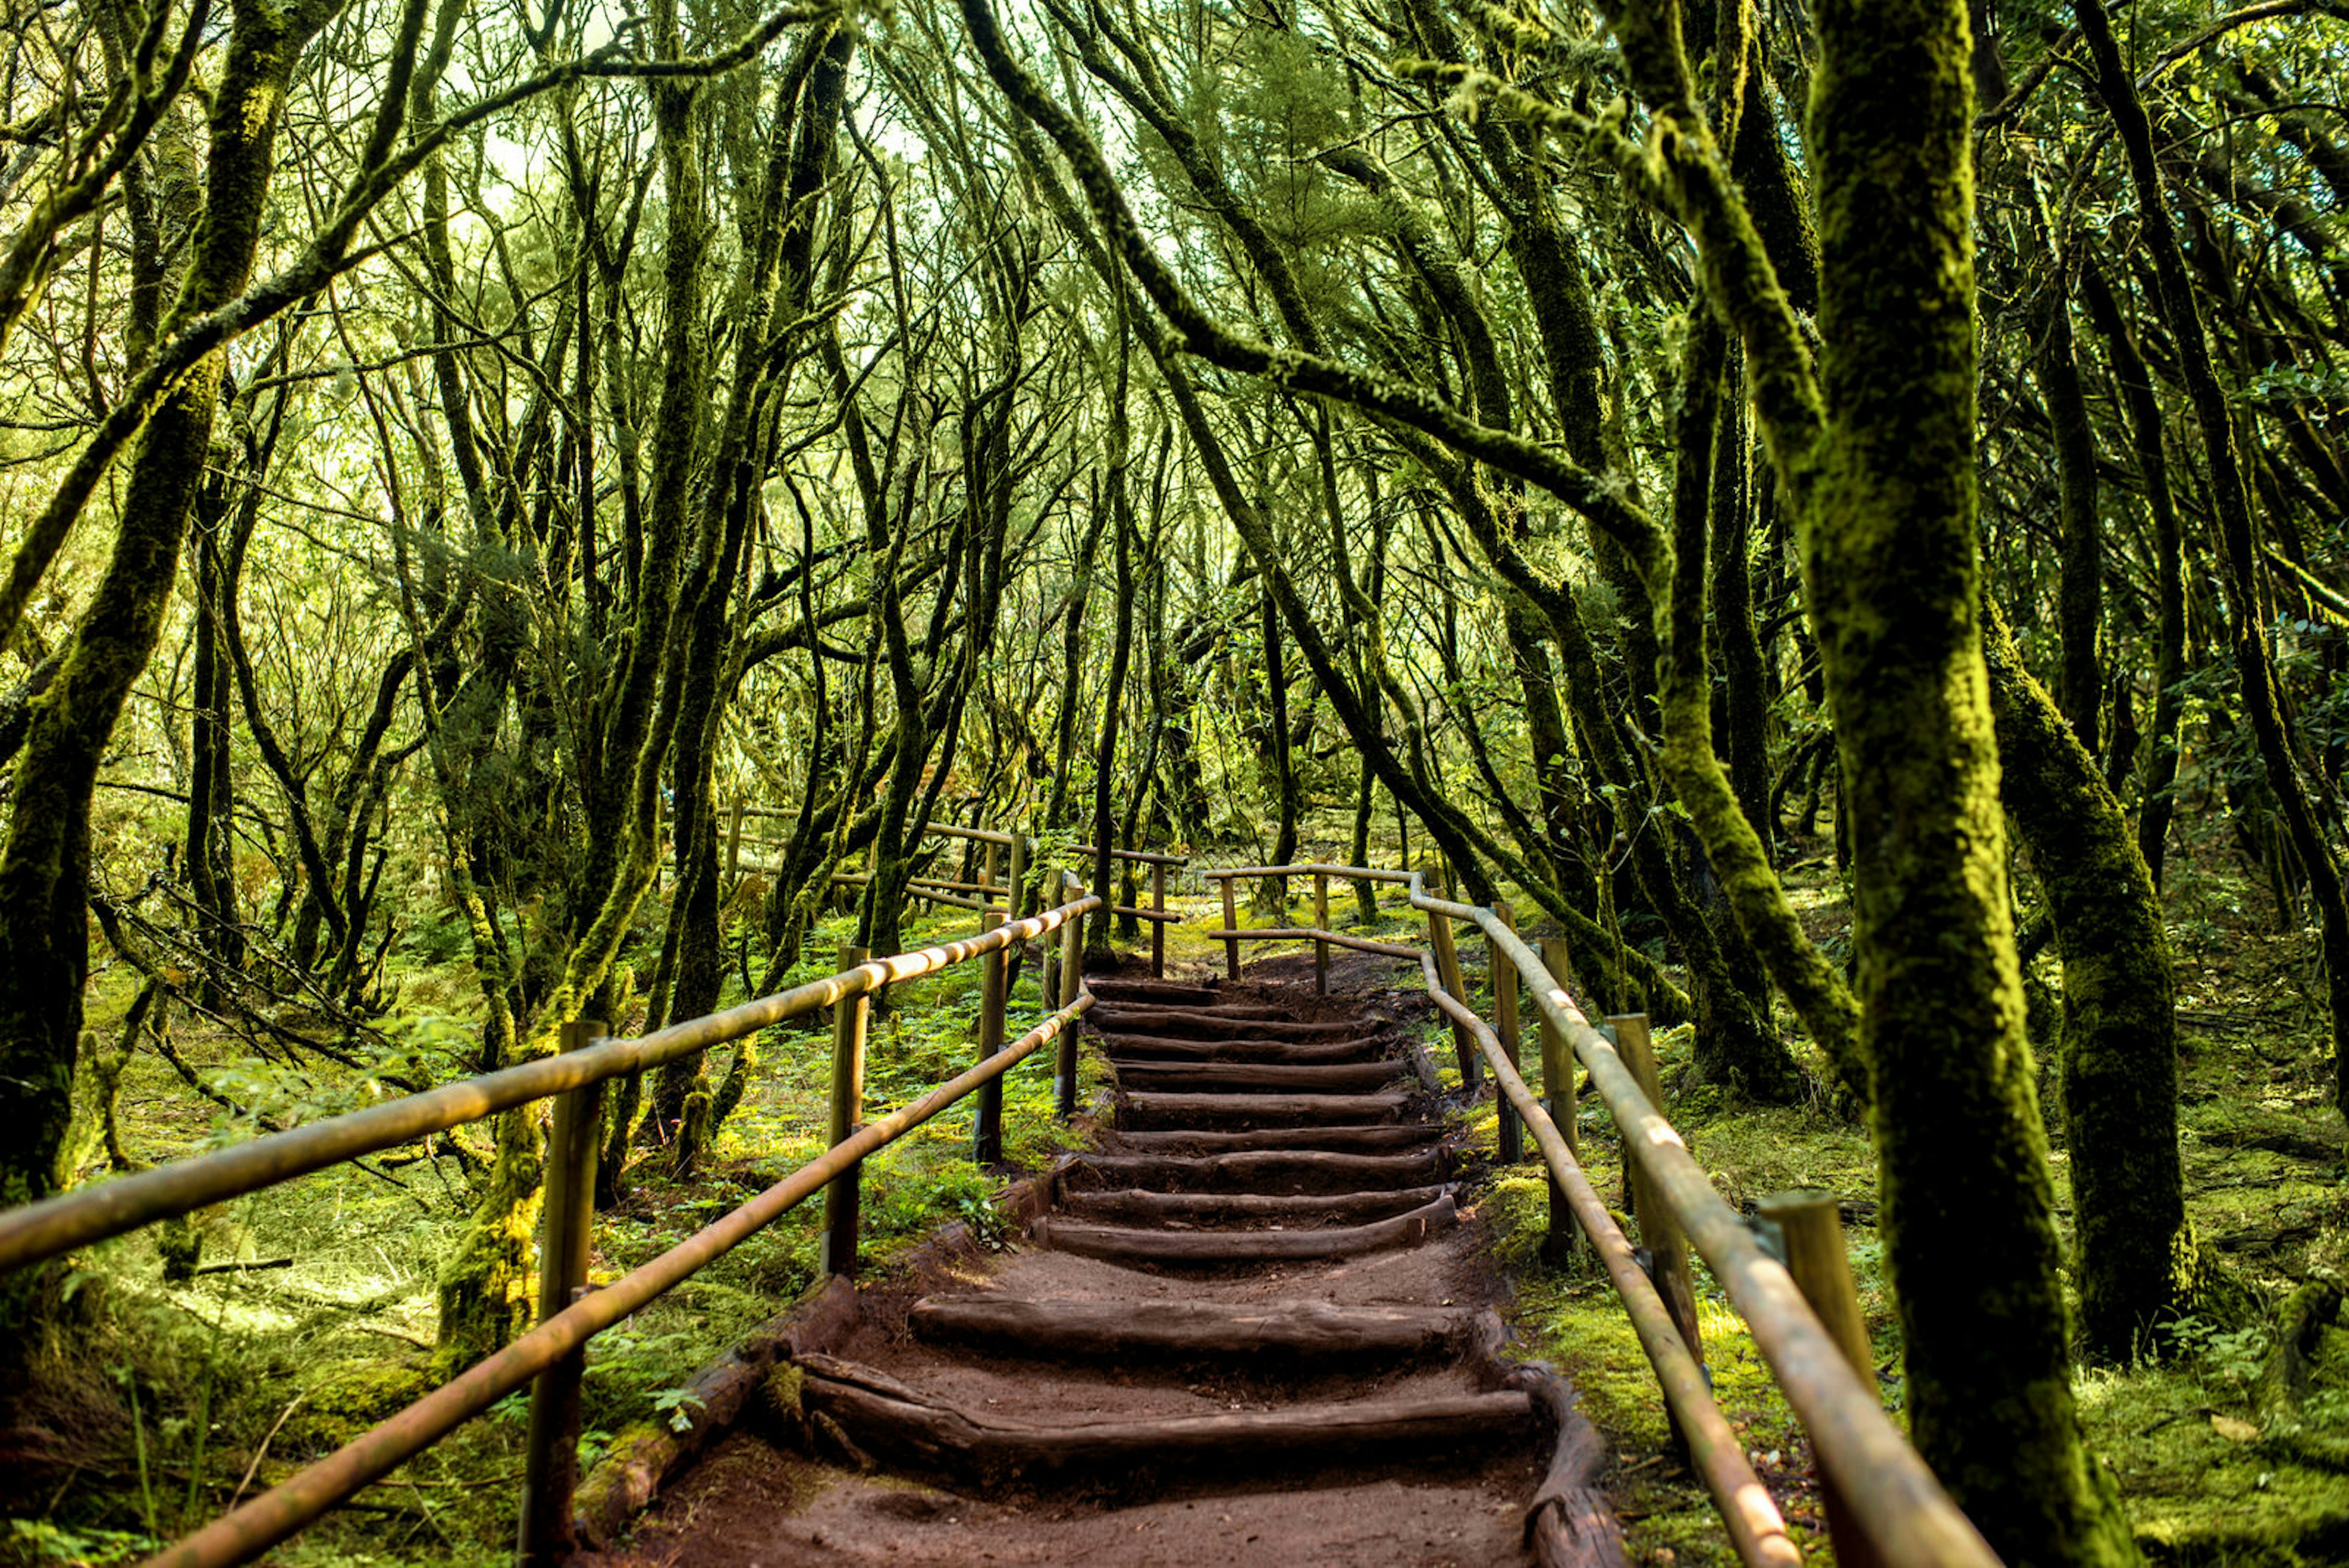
184,1398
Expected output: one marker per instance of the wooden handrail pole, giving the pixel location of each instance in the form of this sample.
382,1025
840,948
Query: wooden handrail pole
551,1465
1667,1248
1447,966
1231,923
1321,923
849,1017
1564,1243
1810,1232
1018,875
1505,1024
1158,927
987,852
1073,971
987,1117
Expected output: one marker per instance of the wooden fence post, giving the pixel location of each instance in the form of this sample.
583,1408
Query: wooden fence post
849,1017
1564,1243
1505,1024
987,1117
1810,1232
734,841
1073,970
1667,1248
1157,928
551,1465
1447,970
1321,923
1231,923
988,853
1019,874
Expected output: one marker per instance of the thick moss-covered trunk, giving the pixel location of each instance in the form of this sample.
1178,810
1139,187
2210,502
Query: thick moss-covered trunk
1892,566
45,861
2136,1255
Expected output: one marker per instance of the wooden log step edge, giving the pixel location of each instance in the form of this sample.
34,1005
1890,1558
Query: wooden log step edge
1246,1207
1120,1245
893,1422
1138,1046
1376,1136
1253,1170
1186,1329
1272,1078
1160,992
1188,1025
1278,1110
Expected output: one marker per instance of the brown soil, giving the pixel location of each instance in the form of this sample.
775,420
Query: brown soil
898,1449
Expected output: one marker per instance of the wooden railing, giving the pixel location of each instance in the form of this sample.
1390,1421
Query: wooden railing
989,890
1787,1275
570,1312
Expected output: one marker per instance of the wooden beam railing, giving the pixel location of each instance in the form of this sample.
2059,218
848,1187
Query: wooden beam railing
570,1314
1879,1489
1323,939
988,892
1756,1529
1883,1505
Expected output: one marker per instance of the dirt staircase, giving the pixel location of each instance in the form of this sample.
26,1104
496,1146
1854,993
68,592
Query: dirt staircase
1251,1329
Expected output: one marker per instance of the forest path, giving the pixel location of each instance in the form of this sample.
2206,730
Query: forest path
1250,1330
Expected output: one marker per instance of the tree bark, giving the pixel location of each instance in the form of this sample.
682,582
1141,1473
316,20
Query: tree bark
2137,1263
45,859
1892,570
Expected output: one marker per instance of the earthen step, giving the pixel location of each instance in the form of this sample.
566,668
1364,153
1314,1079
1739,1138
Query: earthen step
1152,993
1256,1170
1120,1244
1292,1210
1182,1330
1259,1078
894,1423
1154,1110
1187,1024
1166,1048
1376,1138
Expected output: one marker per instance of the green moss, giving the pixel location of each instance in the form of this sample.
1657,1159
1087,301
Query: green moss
346,1402
2193,1493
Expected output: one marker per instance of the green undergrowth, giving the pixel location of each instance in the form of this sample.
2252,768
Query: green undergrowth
178,1399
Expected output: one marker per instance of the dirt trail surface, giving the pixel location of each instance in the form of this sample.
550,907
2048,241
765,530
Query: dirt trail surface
1250,1330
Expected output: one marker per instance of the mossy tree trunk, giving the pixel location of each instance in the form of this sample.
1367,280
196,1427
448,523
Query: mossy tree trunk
45,858
1754,1062
212,885
2142,416
1892,566
1117,495
2080,603
2137,1262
